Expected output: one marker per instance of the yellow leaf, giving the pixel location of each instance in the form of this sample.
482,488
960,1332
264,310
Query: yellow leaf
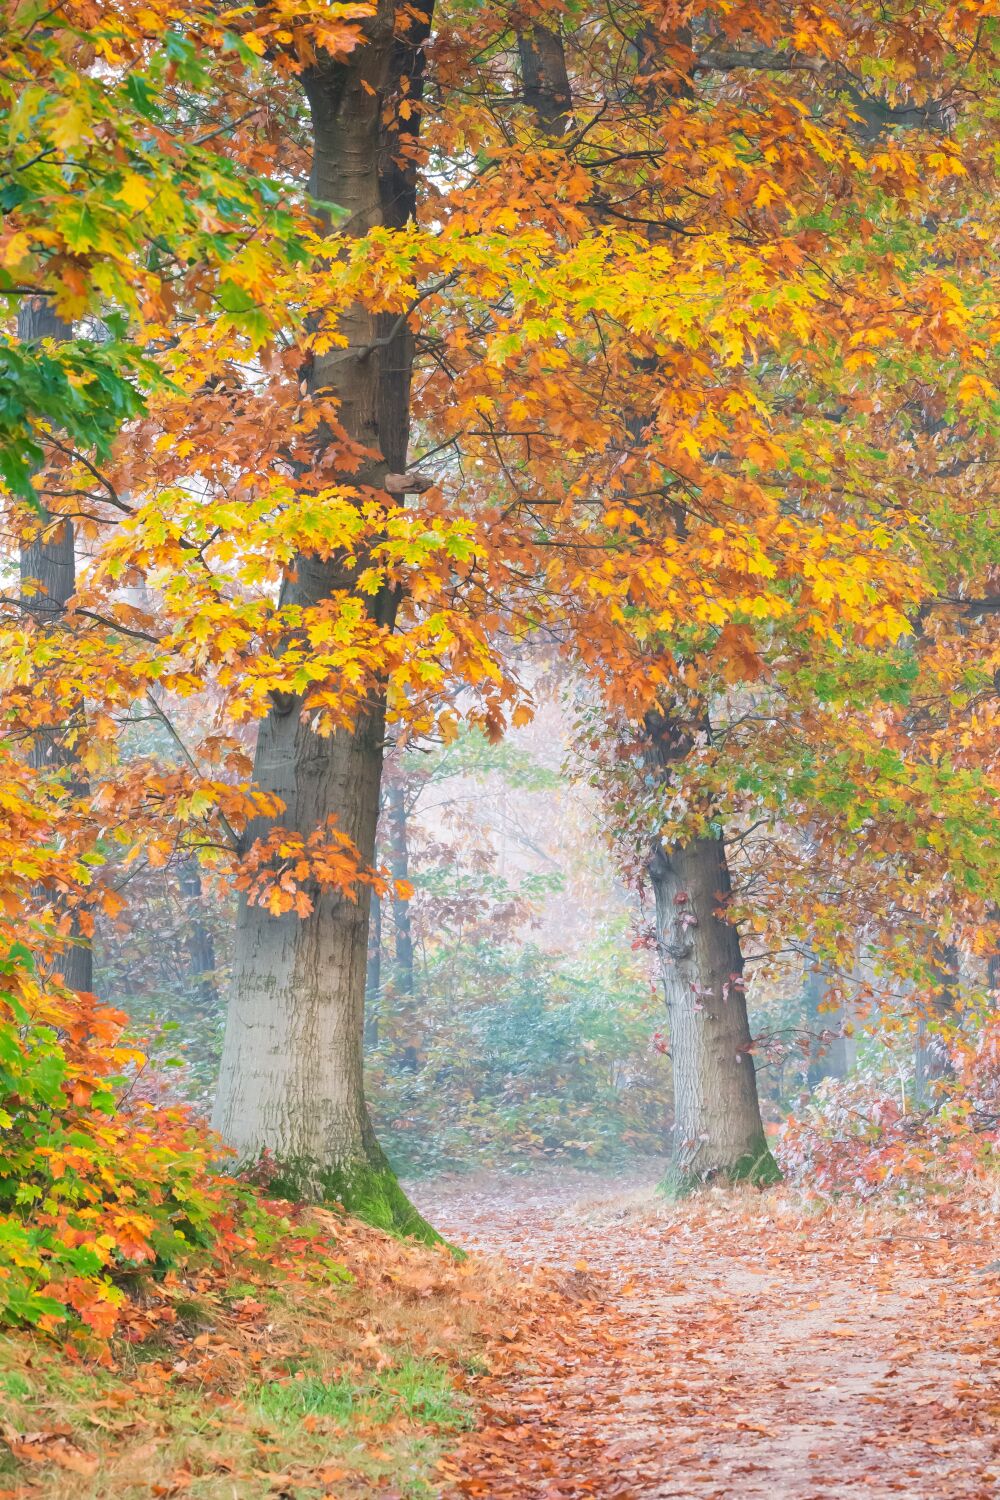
15,250
135,191
69,125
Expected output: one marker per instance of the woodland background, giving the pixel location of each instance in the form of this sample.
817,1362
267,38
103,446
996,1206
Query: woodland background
499,674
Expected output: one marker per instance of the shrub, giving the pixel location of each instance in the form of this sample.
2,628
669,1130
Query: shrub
512,1055
97,1187
861,1135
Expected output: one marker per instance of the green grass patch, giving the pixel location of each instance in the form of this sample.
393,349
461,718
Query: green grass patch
419,1389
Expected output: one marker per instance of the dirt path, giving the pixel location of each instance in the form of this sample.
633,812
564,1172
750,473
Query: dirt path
751,1346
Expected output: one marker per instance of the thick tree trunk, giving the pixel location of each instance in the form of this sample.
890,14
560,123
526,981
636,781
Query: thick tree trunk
48,582
291,1079
718,1131
544,77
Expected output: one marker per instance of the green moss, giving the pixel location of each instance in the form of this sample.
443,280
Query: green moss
373,1193
368,1190
756,1166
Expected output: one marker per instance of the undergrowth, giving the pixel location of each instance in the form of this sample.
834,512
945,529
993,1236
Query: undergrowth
344,1363
170,1330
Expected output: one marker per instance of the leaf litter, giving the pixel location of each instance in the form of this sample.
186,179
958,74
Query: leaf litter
600,1342
773,1345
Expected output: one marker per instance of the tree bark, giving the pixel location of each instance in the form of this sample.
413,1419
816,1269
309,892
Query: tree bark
198,937
291,1081
48,564
931,1057
399,866
717,1125
544,77
291,1078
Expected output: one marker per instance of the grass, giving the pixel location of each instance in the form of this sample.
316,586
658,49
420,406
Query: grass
294,1436
421,1390
324,1385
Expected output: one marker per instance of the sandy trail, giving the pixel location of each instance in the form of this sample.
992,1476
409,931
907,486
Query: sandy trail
749,1345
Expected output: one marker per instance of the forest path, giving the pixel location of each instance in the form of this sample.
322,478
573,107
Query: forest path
740,1344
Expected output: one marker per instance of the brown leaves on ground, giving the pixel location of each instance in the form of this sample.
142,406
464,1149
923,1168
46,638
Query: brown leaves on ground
51,1447
770,1345
202,1401
765,1345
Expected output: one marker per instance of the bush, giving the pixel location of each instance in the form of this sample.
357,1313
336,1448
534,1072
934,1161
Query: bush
863,1136
510,1055
97,1187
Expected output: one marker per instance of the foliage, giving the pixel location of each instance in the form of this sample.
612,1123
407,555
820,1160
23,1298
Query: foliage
328,1358
542,300
97,1188
108,211
519,1056
88,392
859,1135
707,390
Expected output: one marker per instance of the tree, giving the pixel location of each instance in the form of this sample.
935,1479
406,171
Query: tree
291,1077
830,1049
200,941
672,64
108,218
709,253
48,583
399,867
717,1121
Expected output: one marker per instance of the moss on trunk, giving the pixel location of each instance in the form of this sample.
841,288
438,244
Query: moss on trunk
757,1167
369,1190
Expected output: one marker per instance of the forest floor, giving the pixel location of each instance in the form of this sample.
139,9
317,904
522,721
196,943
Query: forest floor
603,1343
763,1345
335,1367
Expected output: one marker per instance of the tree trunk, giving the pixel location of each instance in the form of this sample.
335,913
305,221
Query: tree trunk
373,972
931,1057
718,1132
993,958
198,937
828,1059
291,1077
49,565
399,866
544,77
